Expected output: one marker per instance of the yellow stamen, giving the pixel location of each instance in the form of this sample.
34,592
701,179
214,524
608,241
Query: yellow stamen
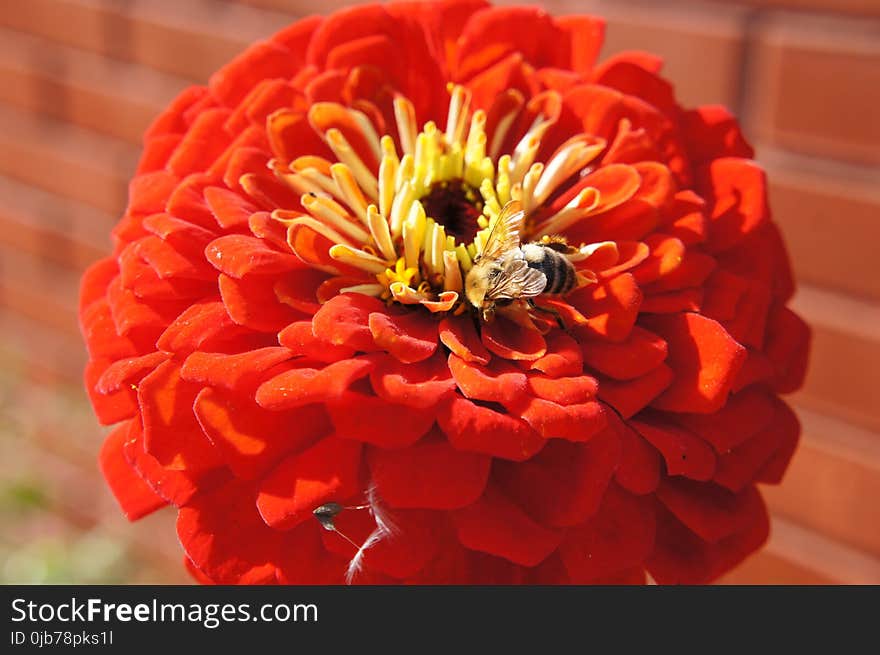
380,232
346,154
378,222
349,189
405,115
358,258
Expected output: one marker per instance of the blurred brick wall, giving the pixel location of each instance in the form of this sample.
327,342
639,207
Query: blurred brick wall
81,79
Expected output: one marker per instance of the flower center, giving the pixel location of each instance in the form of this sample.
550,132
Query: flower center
456,207
410,215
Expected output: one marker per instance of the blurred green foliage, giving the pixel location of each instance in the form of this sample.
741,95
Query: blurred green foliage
58,522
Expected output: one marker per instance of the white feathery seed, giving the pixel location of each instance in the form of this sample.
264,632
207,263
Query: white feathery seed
385,528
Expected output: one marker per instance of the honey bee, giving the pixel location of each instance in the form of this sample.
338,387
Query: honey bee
505,271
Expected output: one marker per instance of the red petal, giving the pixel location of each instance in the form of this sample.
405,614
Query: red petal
229,208
291,136
787,348
666,255
299,338
482,430
135,497
176,487
304,560
629,255
171,433
496,32
324,116
100,334
710,511
420,386
183,235
586,35
95,279
113,407
299,289
139,319
365,417
513,341
499,382
743,416
187,201
563,357
202,144
225,538
251,439
238,255
633,79
172,120
232,372
630,397
148,193
127,373
686,218
686,300
681,557
616,183
564,391
200,323
774,469
704,358
252,303
459,334
693,271
303,386
410,337
743,464
685,453
404,557
639,470
611,306
344,321
497,526
619,537
712,132
400,555
266,59
328,471
578,422
431,474
563,485
736,190
639,354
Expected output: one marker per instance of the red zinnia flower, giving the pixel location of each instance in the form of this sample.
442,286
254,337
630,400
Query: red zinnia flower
283,341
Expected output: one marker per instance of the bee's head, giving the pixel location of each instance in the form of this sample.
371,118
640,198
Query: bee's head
476,284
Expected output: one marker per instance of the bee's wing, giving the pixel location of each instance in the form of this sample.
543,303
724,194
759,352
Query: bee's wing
516,281
505,233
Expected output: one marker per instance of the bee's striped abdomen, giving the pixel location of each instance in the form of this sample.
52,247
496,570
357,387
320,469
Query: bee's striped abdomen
555,266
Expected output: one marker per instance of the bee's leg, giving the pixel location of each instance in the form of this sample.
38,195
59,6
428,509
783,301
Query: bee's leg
547,310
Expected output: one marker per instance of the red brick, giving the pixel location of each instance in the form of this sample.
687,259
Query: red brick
191,38
44,355
39,290
768,568
844,373
797,555
681,33
111,97
858,7
66,160
836,468
828,213
56,230
813,85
